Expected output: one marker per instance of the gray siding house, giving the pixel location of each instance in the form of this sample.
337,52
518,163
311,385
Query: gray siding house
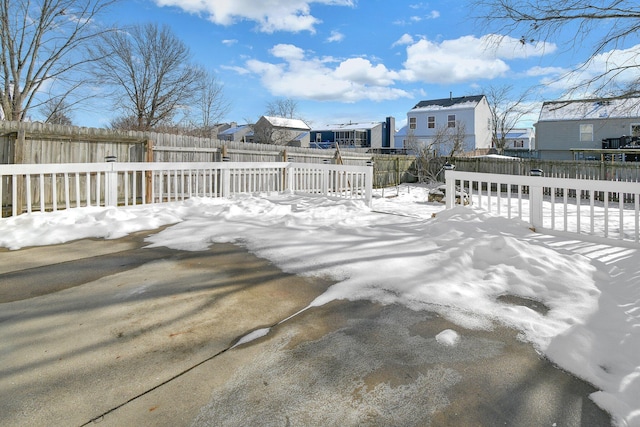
281,131
565,127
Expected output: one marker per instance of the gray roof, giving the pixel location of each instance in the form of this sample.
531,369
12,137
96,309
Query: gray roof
233,130
448,102
284,122
590,109
301,136
348,126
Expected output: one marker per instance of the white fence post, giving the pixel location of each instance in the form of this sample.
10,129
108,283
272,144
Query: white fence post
368,197
110,186
535,205
450,192
225,185
291,178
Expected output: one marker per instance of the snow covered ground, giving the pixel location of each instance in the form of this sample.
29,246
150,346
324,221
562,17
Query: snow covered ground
461,263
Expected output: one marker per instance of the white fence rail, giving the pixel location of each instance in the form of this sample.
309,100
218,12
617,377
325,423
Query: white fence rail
603,209
50,187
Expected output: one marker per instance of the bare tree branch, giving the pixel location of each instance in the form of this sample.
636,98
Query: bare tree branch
150,71
42,41
283,107
606,25
507,110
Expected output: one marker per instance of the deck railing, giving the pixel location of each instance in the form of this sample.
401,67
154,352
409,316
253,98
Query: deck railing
603,209
50,187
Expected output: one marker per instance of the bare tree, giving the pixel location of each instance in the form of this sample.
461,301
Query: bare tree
151,73
506,111
424,153
56,111
42,45
283,107
266,133
433,152
210,105
573,23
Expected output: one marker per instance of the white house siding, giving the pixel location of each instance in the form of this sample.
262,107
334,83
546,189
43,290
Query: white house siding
474,114
482,128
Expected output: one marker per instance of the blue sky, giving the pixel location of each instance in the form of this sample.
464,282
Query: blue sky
349,60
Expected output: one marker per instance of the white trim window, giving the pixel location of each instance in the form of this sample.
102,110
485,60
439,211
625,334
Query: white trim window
412,122
586,133
451,121
431,122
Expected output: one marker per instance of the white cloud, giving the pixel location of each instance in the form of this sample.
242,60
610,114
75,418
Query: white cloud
288,52
404,40
606,71
302,76
336,36
545,71
229,42
272,15
362,71
466,58
239,70
510,48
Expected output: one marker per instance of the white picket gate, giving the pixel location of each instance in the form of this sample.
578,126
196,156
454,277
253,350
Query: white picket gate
603,209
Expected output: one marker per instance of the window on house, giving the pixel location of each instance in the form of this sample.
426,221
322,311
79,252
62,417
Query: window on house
451,120
586,133
412,122
519,144
318,137
431,122
635,129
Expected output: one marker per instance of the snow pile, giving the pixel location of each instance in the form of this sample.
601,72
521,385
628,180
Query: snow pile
462,263
448,337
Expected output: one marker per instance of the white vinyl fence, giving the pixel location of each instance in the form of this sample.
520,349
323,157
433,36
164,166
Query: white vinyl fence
50,187
603,209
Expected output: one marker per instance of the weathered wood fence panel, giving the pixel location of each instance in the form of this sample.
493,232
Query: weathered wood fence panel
585,169
30,143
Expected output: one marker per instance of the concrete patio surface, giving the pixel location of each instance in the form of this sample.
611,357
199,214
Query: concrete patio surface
115,334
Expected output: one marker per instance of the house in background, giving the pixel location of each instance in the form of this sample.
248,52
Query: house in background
520,142
466,117
377,136
236,133
566,127
281,131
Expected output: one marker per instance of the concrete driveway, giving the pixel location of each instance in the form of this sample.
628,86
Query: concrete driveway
112,333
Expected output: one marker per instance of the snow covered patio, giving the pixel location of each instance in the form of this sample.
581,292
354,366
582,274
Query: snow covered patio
441,313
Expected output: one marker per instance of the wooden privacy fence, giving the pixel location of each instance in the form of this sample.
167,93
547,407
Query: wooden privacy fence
50,187
582,169
604,209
